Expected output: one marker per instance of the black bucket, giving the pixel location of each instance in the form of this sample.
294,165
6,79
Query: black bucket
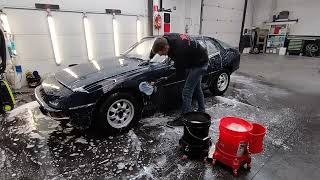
195,140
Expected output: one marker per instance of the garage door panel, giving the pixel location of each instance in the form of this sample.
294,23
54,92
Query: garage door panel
71,46
27,22
100,23
70,37
68,23
222,19
220,13
236,4
41,46
127,24
221,26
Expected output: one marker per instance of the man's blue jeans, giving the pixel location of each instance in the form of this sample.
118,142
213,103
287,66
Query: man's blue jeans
192,88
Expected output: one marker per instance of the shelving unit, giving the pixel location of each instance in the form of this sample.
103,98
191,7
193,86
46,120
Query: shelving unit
276,37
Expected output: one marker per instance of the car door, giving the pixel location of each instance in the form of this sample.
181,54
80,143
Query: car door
169,85
214,56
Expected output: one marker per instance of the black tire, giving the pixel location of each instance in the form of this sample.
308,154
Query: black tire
213,84
102,119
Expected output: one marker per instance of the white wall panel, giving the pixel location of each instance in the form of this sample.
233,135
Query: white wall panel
127,26
262,12
32,36
231,4
70,37
27,22
102,35
306,11
249,15
33,47
127,6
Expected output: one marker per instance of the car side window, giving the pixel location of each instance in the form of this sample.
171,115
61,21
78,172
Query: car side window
211,47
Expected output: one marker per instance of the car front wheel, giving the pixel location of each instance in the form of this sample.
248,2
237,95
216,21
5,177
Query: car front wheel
220,83
118,112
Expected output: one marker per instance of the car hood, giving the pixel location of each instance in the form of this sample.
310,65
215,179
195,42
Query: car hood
94,71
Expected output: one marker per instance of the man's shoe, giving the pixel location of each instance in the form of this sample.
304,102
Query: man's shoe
176,122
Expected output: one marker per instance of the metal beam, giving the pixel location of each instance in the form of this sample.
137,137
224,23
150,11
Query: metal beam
201,17
243,19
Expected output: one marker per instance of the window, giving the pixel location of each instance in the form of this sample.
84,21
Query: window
212,49
141,50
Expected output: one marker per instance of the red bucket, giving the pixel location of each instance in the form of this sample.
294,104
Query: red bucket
256,138
234,135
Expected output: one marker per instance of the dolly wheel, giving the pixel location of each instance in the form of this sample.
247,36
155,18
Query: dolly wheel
213,163
235,172
206,160
249,166
184,157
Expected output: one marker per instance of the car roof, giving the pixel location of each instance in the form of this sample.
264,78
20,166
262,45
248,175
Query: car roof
193,36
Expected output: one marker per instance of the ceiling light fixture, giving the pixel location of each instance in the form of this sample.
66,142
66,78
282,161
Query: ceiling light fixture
115,36
53,35
87,32
139,33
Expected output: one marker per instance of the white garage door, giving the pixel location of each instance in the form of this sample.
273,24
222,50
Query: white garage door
222,20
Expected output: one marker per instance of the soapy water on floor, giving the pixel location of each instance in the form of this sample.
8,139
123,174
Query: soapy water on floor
146,152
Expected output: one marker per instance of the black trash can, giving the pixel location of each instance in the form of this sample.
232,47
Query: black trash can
196,141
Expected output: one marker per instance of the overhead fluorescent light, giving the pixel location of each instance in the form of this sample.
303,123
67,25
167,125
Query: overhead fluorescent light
54,41
88,37
139,33
115,36
71,73
96,65
5,21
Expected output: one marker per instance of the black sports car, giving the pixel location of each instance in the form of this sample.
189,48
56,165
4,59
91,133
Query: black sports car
106,92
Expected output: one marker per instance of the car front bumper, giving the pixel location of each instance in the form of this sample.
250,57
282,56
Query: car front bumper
58,114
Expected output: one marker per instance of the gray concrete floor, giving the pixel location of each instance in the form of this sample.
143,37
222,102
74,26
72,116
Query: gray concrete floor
281,93
300,75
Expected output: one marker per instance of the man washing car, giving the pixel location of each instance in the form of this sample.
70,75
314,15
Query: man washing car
188,55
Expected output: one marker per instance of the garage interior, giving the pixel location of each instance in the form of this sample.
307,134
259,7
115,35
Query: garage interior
277,85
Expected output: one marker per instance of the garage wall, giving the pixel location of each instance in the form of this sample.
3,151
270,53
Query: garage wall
222,19
186,18
32,36
306,11
263,11
177,16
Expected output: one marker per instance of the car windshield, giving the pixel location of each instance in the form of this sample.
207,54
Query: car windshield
142,51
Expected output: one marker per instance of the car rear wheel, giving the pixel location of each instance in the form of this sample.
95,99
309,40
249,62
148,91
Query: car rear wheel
220,83
118,112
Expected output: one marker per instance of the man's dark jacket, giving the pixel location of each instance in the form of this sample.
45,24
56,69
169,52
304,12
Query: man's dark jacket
185,51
